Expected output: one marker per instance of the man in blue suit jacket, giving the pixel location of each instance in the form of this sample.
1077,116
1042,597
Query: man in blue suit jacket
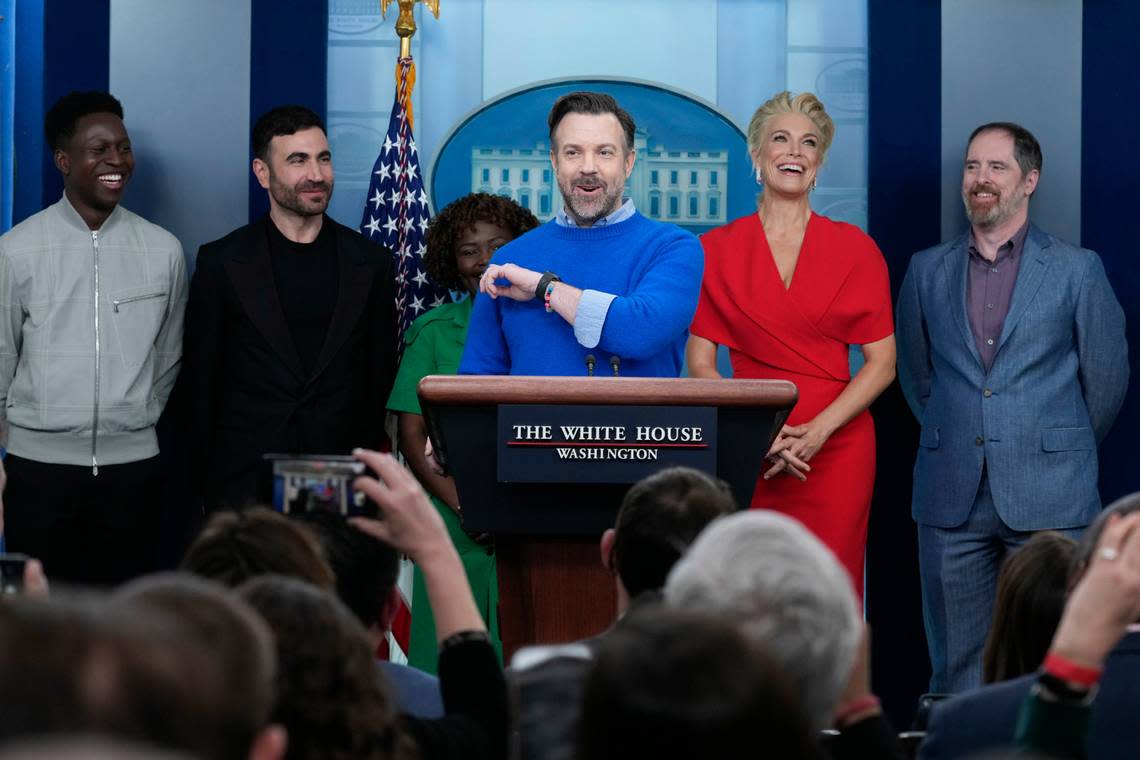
1011,353
986,719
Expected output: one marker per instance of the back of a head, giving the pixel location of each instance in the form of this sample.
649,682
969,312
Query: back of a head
238,545
667,684
236,635
785,590
1123,506
1031,591
365,567
74,666
328,696
659,518
86,748
42,644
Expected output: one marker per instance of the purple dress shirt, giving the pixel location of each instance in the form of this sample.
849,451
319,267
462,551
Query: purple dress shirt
989,289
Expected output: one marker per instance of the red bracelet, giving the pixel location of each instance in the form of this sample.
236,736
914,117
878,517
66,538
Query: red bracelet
860,705
1067,670
546,298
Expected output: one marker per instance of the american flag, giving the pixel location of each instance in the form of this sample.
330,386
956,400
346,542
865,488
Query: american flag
396,214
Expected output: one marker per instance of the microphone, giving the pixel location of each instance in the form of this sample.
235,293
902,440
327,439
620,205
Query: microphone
615,362
590,362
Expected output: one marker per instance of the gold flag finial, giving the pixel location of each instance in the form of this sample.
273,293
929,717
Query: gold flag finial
406,22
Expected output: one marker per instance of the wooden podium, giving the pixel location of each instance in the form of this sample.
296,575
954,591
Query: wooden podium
552,585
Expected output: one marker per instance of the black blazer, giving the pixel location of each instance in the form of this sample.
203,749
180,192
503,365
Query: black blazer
986,718
248,393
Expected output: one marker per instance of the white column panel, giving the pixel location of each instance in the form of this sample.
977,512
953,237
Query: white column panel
181,70
672,43
1019,61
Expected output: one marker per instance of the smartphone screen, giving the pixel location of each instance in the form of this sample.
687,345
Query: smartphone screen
12,573
318,483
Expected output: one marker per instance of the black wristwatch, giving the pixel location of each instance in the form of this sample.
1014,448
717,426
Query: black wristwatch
543,282
1053,689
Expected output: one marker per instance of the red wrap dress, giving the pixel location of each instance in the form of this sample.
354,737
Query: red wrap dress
839,295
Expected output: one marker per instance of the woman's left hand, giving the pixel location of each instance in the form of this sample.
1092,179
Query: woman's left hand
804,441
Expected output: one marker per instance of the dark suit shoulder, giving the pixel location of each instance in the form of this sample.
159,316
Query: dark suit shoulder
232,244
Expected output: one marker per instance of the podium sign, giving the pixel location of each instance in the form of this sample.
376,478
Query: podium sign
544,443
463,419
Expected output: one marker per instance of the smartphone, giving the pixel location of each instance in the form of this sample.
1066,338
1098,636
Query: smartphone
310,483
12,573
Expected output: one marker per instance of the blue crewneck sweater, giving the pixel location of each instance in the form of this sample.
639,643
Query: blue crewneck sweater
653,269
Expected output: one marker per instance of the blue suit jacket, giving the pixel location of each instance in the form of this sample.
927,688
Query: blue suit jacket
987,717
1056,383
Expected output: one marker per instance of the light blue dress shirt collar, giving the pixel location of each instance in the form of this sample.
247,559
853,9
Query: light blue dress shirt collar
625,211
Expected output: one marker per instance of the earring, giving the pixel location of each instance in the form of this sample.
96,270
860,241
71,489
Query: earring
759,178
813,184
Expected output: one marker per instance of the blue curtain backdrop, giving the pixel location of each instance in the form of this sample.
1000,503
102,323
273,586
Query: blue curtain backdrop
7,108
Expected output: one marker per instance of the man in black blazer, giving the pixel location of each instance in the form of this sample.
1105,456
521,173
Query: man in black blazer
986,718
290,328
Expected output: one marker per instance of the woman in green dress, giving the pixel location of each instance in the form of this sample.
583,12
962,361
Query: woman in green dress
460,242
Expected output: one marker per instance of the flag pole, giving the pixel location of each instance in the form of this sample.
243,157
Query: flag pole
396,215
406,22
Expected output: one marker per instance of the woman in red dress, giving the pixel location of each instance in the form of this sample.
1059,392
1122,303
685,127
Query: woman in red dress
788,291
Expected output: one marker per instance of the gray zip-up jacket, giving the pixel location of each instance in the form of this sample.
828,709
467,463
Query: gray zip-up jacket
90,335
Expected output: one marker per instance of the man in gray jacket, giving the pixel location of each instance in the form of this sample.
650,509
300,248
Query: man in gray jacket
91,305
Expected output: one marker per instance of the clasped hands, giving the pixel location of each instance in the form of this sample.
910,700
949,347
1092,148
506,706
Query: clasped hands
523,282
793,449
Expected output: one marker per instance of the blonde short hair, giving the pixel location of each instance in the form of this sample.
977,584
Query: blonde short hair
805,103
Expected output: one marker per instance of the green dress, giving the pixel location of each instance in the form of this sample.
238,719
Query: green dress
434,347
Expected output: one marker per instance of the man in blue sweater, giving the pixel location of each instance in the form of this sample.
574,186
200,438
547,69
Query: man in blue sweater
599,279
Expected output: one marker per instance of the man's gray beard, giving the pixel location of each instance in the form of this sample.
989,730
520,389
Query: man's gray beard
611,204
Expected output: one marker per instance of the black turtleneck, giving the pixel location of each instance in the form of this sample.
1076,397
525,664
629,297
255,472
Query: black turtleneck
306,279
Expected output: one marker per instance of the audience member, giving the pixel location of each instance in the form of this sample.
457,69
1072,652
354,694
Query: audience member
72,666
788,593
366,569
474,692
658,519
238,545
1030,597
85,748
239,641
327,697
667,684
1104,606
790,597
987,718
